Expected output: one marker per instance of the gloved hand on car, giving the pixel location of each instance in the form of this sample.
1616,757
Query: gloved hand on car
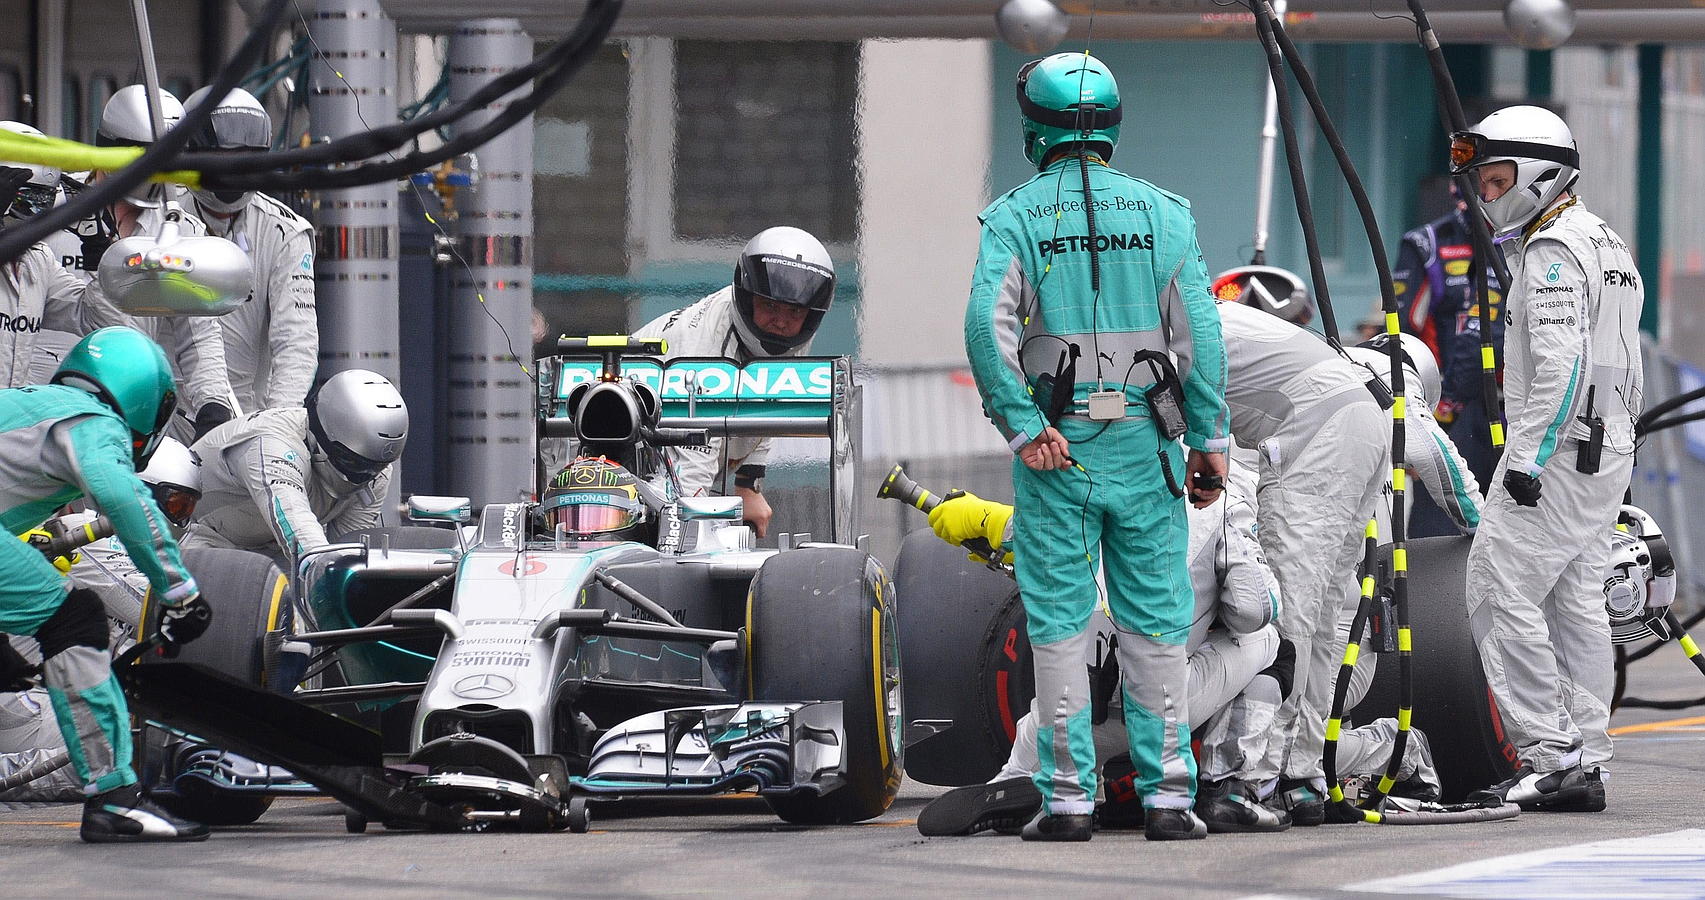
183,623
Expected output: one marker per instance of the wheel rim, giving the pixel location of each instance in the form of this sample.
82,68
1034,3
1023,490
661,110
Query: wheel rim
891,689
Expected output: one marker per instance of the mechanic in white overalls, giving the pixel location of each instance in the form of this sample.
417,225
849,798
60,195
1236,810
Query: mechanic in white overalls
784,282
277,481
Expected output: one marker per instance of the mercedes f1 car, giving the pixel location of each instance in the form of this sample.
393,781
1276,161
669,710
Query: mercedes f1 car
518,667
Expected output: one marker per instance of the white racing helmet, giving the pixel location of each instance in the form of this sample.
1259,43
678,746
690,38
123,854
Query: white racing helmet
239,122
125,123
174,477
787,265
1543,149
1639,580
1421,370
360,423
38,193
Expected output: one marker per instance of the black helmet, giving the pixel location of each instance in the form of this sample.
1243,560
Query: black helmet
787,265
594,498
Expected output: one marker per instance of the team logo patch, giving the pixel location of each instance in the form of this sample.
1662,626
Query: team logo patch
1456,251
1552,273
307,262
1456,267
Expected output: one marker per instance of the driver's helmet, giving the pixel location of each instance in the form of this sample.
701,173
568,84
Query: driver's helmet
595,498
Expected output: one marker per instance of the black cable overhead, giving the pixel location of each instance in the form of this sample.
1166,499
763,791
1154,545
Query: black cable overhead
160,156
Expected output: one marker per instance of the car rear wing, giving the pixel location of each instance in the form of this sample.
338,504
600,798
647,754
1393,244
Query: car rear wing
793,397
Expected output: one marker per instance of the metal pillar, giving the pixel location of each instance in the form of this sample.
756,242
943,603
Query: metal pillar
1649,196
355,268
490,430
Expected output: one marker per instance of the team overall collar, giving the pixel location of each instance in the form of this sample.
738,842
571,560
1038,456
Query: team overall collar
1545,217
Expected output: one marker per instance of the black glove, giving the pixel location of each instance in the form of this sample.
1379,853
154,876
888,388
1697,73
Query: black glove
16,673
94,247
183,623
210,417
1523,488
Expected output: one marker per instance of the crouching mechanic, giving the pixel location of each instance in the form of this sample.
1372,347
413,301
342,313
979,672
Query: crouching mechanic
1129,301
277,480
29,739
784,282
1573,380
1234,684
86,435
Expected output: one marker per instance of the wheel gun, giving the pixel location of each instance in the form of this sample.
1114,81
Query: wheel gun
899,486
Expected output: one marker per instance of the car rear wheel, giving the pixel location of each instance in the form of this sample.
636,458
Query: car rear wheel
820,626
969,677
1452,702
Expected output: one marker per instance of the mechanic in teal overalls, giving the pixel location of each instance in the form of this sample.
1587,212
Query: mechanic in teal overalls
1095,346
86,435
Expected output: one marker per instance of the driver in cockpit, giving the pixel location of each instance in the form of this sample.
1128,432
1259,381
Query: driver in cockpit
595,499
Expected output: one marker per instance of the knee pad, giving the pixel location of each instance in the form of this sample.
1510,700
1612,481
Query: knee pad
1284,667
80,621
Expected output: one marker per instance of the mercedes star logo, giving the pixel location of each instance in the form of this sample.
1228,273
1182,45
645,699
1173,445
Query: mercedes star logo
484,686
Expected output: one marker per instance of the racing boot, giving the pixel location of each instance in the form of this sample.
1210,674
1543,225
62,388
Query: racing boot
1304,800
1007,803
123,815
1165,824
1229,806
1060,827
1585,794
1530,789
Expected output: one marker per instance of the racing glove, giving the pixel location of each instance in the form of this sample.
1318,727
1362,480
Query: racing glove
964,516
1523,488
42,539
210,416
184,623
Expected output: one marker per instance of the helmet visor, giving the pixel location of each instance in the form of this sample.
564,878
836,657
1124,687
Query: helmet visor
1469,149
355,467
234,128
176,501
791,281
32,199
592,512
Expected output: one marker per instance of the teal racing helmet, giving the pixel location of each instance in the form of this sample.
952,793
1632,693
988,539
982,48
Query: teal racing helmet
1068,98
129,373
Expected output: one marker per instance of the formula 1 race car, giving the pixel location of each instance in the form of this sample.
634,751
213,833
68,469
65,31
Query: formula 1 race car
521,666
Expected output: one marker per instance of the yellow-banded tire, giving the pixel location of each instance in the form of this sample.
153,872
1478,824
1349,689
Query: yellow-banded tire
820,626
249,598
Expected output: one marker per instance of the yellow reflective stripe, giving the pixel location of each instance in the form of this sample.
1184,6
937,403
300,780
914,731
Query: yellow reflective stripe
1397,405
1351,653
1688,645
1488,358
1403,640
1399,560
1372,530
89,529
877,671
1367,586
1497,434
1332,728
1369,815
1397,479
923,497
1404,716
607,340
1386,783
1337,794
1391,326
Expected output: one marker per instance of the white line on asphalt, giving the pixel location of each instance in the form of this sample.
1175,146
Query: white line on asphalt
1659,866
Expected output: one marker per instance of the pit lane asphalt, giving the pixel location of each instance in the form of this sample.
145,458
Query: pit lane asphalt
733,846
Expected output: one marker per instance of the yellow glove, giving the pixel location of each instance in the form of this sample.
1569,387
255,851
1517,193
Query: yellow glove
969,516
41,537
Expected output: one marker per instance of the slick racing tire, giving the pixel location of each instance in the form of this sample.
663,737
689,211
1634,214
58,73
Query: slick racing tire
968,677
1453,705
250,600
820,626
402,537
